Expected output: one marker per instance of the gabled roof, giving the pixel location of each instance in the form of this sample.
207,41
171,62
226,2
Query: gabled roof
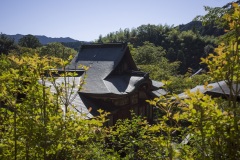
102,60
101,57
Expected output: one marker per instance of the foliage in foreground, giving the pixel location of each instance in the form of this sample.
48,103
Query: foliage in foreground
209,126
33,124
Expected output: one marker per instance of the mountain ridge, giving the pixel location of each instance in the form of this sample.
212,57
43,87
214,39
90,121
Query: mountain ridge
44,39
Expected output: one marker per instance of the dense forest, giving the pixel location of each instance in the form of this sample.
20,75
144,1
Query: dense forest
33,126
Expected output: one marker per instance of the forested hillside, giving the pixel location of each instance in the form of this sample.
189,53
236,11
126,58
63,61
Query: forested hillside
185,43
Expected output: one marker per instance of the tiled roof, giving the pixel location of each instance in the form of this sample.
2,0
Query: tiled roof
216,89
122,84
102,59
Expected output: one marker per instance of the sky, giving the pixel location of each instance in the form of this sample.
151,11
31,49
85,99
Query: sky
85,20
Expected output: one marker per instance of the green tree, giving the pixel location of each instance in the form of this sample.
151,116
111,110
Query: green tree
188,48
32,122
151,59
133,139
6,44
57,50
209,126
162,70
224,65
29,41
148,54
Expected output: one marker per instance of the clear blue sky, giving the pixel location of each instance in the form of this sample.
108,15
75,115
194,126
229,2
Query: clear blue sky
87,19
